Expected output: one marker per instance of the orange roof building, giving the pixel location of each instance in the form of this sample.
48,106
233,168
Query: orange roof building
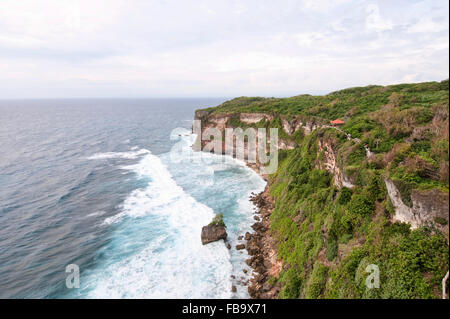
337,122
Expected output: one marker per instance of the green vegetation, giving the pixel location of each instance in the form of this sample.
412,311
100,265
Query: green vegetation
352,227
327,235
218,220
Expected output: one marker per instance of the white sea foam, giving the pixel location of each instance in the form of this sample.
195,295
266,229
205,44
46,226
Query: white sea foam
161,191
198,171
182,269
126,155
97,213
167,221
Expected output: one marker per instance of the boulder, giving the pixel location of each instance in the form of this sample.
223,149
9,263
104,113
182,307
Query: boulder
212,233
252,248
240,246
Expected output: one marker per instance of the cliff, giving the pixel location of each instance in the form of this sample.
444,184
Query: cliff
429,207
373,191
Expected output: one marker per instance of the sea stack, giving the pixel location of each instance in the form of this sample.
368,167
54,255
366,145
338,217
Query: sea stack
216,230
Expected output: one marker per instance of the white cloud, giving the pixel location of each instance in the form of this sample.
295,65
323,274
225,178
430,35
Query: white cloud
427,25
221,48
374,21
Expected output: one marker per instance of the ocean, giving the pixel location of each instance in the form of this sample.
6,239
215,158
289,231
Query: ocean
93,182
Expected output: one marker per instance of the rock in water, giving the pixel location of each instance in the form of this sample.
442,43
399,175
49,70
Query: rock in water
212,233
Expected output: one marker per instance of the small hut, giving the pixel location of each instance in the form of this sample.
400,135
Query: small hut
337,122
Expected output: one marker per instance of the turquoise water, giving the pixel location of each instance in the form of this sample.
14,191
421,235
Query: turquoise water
94,183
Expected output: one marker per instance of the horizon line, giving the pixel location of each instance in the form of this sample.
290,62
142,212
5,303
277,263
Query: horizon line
317,93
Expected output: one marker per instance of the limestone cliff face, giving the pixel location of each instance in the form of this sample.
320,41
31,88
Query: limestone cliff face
221,121
199,114
285,145
308,127
216,120
252,118
329,163
427,206
291,126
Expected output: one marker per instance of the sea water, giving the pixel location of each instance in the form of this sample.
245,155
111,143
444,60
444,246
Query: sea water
95,183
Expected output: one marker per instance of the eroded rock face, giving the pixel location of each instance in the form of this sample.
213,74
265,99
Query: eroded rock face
291,126
329,163
200,114
427,206
308,127
212,233
252,118
403,213
285,145
219,121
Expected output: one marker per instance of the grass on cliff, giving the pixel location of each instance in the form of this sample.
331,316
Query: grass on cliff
327,236
343,104
404,125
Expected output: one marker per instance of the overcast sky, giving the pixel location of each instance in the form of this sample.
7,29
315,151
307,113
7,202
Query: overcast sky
137,48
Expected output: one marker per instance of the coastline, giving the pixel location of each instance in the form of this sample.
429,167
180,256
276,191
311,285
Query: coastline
350,188
261,246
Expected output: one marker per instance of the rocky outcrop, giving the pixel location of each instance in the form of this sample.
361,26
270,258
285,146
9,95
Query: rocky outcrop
403,213
261,246
291,126
329,163
285,144
308,127
212,233
222,121
428,206
200,114
252,118
218,121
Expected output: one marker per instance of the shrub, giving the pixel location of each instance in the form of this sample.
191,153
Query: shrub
361,205
332,248
406,126
345,195
405,188
390,207
317,281
218,220
376,189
